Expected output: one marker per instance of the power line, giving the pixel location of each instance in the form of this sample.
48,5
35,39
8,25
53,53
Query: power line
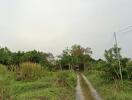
128,28
124,29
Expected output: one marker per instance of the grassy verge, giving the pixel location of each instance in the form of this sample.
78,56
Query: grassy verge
51,86
110,90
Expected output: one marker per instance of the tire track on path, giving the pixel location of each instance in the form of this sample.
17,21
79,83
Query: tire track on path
85,90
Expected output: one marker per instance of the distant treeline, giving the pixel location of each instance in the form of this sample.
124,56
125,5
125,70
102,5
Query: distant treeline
71,57
8,57
67,60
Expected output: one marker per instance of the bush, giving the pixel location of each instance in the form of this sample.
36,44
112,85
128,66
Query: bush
29,71
129,70
66,78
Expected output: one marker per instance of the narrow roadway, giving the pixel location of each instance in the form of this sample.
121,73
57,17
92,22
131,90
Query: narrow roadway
79,93
84,89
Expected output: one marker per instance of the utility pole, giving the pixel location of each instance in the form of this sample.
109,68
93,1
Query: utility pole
118,56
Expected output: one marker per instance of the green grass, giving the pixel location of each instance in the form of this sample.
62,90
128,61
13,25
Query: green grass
110,90
51,86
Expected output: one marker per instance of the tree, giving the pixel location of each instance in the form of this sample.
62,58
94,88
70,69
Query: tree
111,57
129,69
66,59
80,54
76,55
5,56
17,58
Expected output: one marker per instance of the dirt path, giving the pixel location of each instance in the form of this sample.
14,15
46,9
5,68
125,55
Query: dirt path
84,89
79,93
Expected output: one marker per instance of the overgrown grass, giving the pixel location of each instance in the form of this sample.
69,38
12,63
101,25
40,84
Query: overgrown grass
6,78
29,71
110,90
58,85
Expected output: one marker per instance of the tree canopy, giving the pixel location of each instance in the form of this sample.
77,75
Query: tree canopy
15,58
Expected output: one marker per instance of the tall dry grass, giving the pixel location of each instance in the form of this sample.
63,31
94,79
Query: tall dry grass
29,71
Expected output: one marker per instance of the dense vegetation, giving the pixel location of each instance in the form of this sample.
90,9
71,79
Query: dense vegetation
105,76
36,84
76,55
38,75
16,58
110,89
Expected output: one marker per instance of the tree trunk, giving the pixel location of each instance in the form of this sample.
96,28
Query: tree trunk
69,66
60,67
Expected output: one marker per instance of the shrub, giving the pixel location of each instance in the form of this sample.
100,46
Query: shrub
66,78
29,71
129,70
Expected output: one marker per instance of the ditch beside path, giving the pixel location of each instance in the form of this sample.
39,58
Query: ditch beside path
84,89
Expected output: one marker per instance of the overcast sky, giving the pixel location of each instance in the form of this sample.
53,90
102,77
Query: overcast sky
52,25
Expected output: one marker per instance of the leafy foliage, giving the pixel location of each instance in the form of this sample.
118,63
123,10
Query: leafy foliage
5,56
16,58
75,55
112,63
